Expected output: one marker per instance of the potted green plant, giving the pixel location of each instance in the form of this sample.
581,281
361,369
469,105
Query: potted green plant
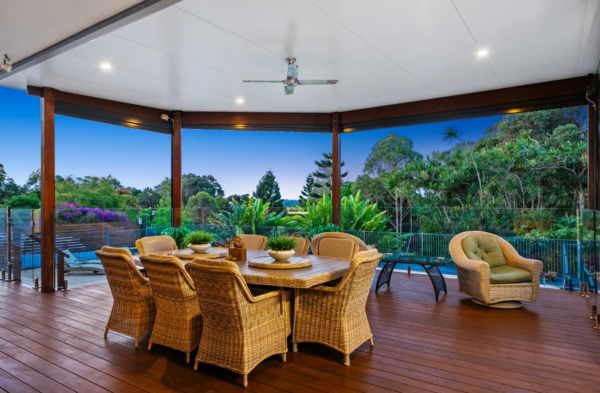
199,240
281,247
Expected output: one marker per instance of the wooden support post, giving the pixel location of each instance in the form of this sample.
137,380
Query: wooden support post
336,170
176,198
47,190
593,199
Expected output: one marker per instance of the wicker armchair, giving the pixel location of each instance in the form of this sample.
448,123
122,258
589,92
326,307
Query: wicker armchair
492,272
178,321
337,245
240,330
133,312
254,242
336,316
302,245
151,244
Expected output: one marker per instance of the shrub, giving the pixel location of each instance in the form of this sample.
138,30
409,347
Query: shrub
178,234
281,243
71,213
198,237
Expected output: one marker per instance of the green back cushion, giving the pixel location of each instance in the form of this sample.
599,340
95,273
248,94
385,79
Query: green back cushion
485,249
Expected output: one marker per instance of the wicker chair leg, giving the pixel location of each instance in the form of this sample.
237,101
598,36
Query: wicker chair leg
371,340
294,347
105,332
149,346
284,357
346,360
187,357
137,340
196,365
245,380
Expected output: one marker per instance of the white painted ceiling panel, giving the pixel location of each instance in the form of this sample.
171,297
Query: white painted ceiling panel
29,26
528,41
194,55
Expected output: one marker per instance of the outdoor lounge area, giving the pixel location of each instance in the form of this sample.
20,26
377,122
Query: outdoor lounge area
310,195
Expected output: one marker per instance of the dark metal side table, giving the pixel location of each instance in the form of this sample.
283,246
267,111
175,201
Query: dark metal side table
430,264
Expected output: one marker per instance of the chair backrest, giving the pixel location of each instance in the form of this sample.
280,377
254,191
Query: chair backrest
337,235
254,242
71,259
172,286
152,244
357,282
124,278
336,248
222,294
302,245
464,240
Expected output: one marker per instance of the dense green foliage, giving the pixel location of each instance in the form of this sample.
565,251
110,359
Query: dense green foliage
281,243
198,237
254,214
178,234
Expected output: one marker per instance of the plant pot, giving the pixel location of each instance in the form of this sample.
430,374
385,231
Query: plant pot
199,247
281,255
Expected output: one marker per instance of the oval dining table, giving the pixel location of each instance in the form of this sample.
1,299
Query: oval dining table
322,270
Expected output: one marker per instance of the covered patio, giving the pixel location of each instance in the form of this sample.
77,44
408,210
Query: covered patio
167,65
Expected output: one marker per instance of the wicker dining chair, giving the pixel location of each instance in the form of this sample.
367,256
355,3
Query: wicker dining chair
178,320
336,316
337,245
151,244
490,270
302,245
254,242
133,312
240,330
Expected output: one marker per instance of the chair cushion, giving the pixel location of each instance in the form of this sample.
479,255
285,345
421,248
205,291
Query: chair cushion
509,275
300,245
254,242
157,244
485,249
208,262
336,248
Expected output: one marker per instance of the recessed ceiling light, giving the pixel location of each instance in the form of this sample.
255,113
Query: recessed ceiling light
482,53
105,66
239,100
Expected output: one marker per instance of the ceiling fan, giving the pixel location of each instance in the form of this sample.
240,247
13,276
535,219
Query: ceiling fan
292,78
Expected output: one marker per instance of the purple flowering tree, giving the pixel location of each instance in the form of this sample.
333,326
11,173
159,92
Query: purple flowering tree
71,213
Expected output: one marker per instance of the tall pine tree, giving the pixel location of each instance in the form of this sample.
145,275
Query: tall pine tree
322,177
268,190
307,190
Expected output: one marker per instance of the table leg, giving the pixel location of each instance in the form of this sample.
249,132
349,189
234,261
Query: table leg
385,275
437,280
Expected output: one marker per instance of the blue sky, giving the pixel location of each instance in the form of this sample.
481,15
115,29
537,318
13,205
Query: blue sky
237,159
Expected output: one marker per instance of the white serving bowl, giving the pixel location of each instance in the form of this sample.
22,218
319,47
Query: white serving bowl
199,247
281,255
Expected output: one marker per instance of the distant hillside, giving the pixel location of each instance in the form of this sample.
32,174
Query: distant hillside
290,202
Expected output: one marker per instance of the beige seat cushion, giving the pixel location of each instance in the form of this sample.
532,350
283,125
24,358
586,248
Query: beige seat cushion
157,244
485,249
301,245
509,275
336,248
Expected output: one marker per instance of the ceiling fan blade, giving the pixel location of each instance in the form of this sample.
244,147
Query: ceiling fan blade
288,90
263,81
318,82
292,71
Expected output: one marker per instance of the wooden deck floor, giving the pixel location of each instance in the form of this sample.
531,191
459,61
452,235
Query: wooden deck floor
54,343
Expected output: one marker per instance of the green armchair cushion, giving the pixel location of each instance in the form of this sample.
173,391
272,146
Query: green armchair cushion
509,275
485,249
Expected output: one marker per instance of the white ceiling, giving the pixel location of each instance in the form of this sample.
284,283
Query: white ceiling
29,26
194,55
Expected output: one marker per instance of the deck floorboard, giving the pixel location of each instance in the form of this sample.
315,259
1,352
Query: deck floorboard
54,343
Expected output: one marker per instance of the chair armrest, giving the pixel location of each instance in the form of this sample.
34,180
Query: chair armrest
268,295
473,278
533,266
